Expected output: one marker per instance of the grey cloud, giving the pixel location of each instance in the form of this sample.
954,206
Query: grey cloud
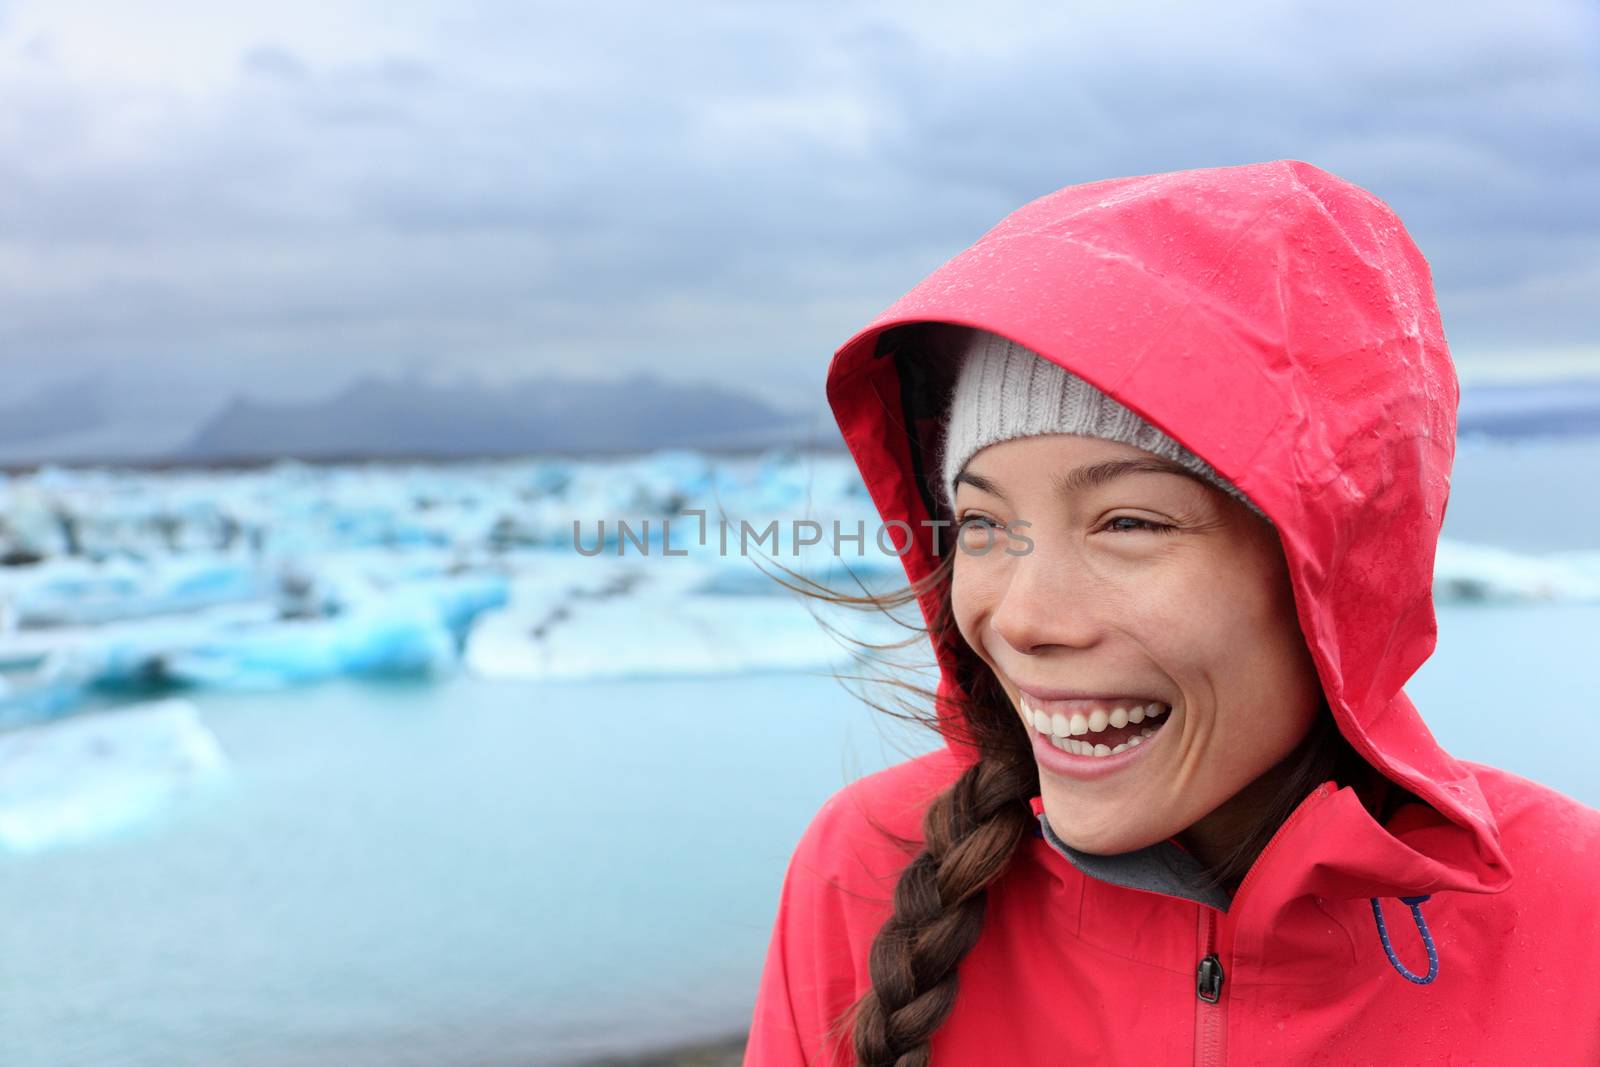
626,184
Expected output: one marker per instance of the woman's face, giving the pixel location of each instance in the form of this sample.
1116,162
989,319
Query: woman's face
1141,587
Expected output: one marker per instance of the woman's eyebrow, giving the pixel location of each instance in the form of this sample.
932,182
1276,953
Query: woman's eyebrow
1080,478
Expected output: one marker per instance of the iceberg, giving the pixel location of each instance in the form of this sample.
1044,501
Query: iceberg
388,639
97,774
695,635
1483,573
633,619
74,591
130,582
347,622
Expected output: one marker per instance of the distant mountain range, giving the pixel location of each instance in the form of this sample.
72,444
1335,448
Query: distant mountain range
381,418
81,421
411,418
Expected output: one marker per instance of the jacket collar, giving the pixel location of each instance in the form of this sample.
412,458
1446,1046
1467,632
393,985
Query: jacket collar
1159,868
1332,846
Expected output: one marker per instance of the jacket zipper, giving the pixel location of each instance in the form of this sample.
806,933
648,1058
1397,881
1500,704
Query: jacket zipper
1210,1013
1210,1010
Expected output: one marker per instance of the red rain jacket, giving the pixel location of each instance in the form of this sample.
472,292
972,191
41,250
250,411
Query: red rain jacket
1279,322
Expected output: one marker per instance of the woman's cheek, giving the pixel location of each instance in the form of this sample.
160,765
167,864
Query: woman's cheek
970,600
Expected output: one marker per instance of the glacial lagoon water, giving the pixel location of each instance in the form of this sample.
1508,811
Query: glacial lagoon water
484,869
491,873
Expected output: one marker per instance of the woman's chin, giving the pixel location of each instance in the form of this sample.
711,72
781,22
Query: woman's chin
1107,841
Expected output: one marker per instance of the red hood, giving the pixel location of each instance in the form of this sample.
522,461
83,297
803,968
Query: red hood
1280,323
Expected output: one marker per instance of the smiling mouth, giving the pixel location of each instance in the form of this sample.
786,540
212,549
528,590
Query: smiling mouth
1095,728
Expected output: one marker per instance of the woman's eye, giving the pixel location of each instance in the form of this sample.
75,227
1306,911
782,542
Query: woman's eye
1136,524
970,519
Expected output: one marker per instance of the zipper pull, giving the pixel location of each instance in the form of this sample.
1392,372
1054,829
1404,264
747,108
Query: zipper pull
1208,980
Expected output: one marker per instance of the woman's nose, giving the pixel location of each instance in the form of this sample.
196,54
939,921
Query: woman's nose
1048,602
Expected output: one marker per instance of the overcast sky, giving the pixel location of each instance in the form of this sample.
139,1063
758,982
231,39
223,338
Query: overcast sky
204,197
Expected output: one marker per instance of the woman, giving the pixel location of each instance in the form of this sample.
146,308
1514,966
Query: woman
1196,429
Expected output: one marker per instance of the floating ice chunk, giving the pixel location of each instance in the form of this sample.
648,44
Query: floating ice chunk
93,775
657,638
651,620
455,602
69,592
393,639
42,689
1464,572
414,628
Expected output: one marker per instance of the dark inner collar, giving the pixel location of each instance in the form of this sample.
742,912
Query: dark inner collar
1159,868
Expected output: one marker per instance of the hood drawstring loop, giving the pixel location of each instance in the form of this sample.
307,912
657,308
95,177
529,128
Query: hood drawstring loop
1422,928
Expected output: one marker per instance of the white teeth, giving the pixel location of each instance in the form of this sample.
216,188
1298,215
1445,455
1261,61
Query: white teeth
1083,748
1063,731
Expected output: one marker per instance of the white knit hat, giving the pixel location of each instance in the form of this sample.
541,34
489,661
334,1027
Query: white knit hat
1003,391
